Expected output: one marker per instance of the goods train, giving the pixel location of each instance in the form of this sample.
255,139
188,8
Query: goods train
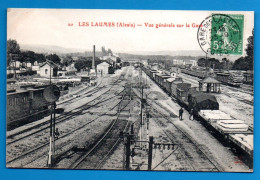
183,92
206,108
28,104
229,78
248,77
22,104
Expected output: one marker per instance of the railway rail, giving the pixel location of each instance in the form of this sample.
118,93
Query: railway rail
190,150
21,121
229,95
36,149
189,147
42,145
70,113
62,118
94,157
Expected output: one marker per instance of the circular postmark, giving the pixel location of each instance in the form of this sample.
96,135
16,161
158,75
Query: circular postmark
221,34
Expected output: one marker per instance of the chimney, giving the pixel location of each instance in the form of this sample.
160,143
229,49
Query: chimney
93,61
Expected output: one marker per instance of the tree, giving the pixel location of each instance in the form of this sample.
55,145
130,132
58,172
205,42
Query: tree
240,64
211,62
80,64
202,62
27,56
226,64
67,60
86,62
250,52
250,46
246,63
13,49
54,58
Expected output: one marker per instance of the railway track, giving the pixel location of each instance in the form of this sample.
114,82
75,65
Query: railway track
193,81
77,95
70,113
189,150
71,100
45,144
60,119
95,156
41,145
244,88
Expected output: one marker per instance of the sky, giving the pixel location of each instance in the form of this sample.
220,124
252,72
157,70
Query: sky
51,27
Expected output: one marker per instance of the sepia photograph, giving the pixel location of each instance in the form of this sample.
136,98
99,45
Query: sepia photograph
141,90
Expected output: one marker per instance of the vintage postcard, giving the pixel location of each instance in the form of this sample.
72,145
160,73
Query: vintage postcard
152,90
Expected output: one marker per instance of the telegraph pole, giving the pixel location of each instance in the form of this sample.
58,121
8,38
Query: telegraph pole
128,153
150,153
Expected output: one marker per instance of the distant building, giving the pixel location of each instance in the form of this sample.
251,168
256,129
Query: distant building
103,68
180,62
16,64
36,68
191,62
71,67
48,68
110,58
29,65
36,63
177,62
62,73
74,58
155,66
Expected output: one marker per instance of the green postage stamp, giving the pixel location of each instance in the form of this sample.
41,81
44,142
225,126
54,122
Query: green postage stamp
227,34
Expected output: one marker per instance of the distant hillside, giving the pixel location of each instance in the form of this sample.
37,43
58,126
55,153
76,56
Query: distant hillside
127,57
156,55
178,55
49,49
169,53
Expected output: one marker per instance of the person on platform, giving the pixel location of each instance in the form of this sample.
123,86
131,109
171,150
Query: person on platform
191,114
180,113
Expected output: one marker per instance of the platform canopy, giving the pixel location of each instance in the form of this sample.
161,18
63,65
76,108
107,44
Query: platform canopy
209,84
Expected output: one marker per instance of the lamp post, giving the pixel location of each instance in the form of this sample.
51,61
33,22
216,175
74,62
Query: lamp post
148,109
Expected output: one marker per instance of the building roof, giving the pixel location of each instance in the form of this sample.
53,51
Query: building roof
209,80
50,63
103,63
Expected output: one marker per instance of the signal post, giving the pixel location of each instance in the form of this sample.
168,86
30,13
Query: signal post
51,95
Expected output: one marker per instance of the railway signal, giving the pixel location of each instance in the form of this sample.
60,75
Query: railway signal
51,95
131,152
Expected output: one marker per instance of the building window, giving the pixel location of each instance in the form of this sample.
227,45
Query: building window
46,71
10,101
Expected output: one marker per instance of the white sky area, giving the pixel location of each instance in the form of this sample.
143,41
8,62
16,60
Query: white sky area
50,27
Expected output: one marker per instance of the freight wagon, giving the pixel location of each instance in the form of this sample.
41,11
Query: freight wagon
21,104
206,108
